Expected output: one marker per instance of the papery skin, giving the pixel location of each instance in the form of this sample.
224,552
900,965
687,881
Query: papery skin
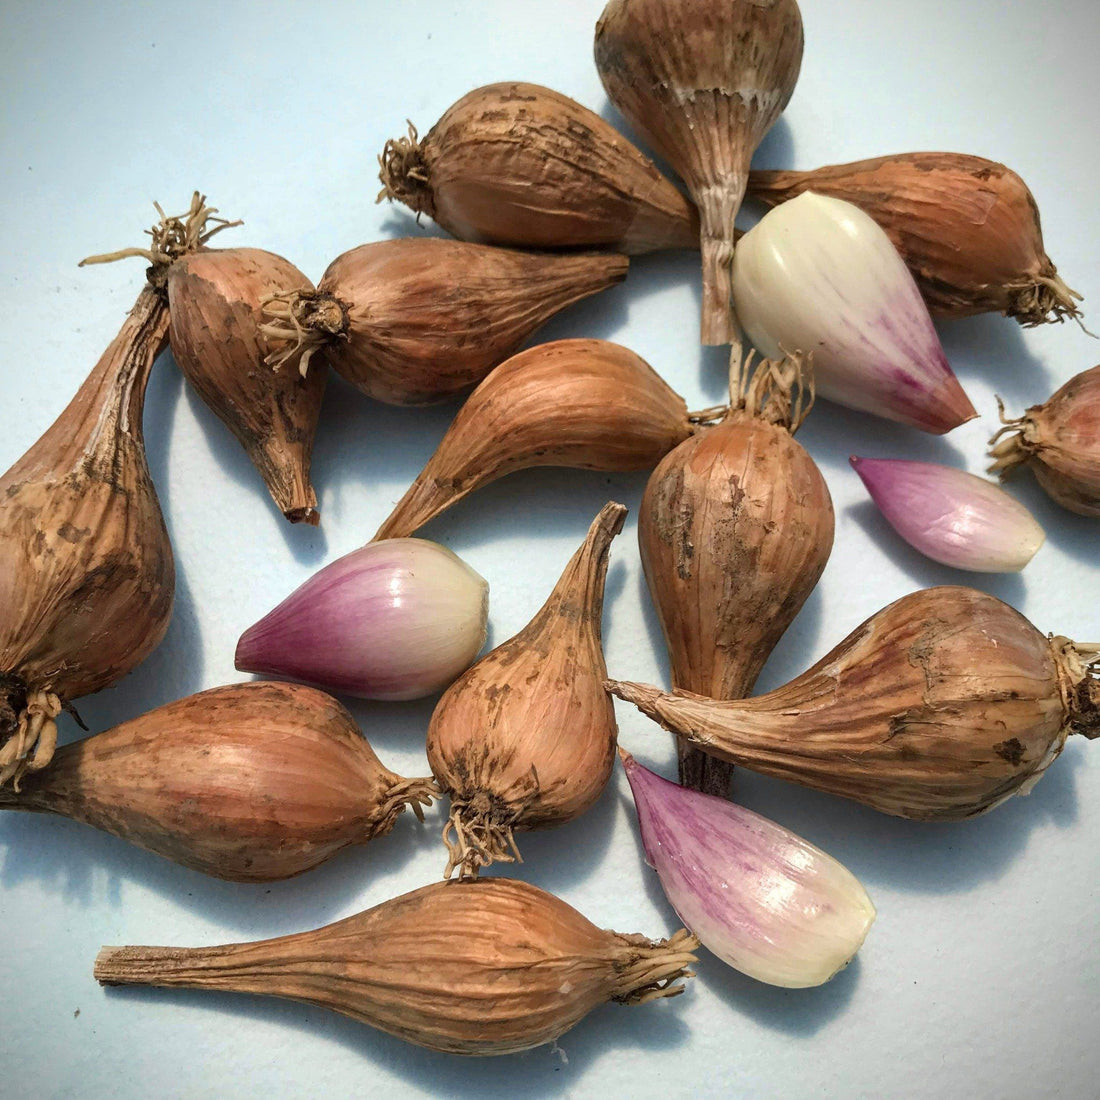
215,297
735,528
521,165
818,274
1060,442
398,619
426,319
87,576
250,782
525,738
703,81
967,227
482,967
952,516
759,897
581,404
937,708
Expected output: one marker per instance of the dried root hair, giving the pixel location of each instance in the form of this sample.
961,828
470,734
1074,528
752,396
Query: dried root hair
404,174
779,391
303,322
31,747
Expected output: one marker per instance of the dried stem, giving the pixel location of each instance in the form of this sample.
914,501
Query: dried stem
653,968
172,237
478,842
404,174
1011,445
31,746
304,321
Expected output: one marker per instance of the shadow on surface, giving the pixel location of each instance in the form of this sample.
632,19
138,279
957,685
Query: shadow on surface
992,348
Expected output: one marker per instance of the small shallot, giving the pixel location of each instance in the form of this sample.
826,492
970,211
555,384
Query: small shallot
251,782
951,516
419,320
761,898
818,274
937,708
1060,441
526,738
967,227
487,967
521,165
735,528
582,404
397,619
703,81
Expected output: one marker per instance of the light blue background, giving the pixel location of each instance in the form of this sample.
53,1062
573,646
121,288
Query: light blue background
980,977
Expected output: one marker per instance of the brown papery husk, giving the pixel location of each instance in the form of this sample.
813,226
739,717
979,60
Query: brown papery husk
87,577
735,529
419,320
938,708
582,404
525,738
703,81
521,165
252,782
1060,442
215,298
967,227
487,967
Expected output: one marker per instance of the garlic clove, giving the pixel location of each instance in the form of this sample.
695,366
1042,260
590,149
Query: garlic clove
759,897
818,274
488,967
953,517
398,619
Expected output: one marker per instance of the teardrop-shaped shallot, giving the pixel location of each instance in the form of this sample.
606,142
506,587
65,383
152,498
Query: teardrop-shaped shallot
419,320
87,577
952,516
486,967
215,298
583,404
1060,442
703,81
735,528
761,898
397,619
937,708
251,782
818,274
518,164
967,227
526,738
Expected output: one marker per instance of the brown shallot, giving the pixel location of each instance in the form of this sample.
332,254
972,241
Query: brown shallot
522,165
582,404
526,738
703,81
967,227
252,782
1060,442
485,967
735,528
937,708
87,577
418,320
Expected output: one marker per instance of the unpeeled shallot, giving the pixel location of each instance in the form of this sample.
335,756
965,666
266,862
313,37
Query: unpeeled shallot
251,782
937,708
486,967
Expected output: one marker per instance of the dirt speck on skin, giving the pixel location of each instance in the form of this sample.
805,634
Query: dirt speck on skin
76,1013
1011,750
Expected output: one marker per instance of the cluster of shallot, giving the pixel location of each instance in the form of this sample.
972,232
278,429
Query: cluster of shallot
939,707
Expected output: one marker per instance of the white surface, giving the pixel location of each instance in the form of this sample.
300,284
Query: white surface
980,977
